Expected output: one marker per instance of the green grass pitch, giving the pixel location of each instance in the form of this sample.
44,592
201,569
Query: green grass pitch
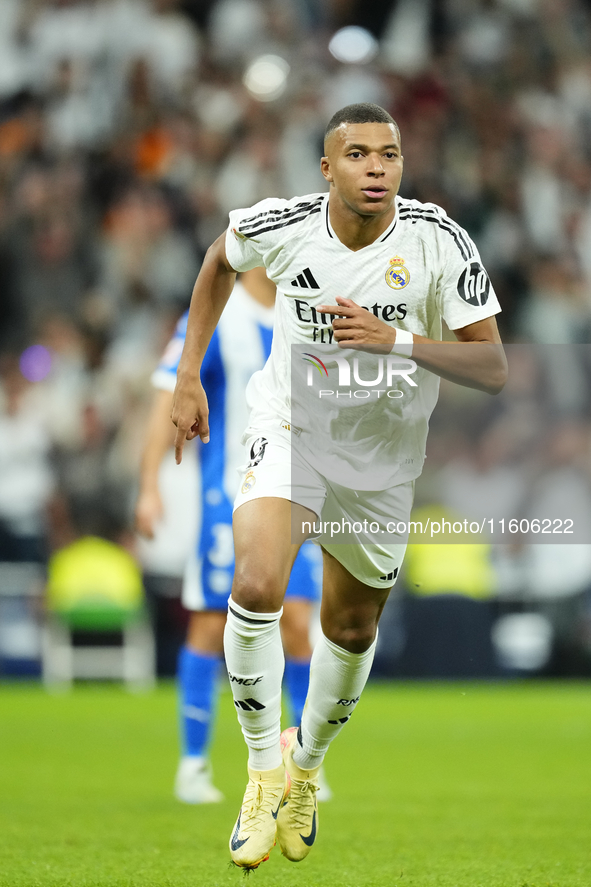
450,785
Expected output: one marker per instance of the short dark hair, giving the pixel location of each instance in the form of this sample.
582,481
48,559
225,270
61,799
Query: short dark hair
362,112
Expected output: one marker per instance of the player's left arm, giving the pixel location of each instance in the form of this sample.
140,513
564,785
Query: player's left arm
476,360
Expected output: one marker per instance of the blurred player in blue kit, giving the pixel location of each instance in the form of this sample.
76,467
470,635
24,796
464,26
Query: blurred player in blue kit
239,347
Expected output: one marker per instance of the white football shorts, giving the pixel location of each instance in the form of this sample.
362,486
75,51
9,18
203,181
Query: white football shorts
343,516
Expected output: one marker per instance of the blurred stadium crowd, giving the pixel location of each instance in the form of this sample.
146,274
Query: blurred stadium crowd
129,128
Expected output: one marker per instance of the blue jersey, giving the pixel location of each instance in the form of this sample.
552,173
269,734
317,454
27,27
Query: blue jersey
239,347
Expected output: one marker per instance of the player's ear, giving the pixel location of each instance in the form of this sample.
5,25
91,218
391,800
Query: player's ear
325,169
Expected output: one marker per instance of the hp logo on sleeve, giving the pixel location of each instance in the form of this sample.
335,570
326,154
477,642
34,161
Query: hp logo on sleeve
474,285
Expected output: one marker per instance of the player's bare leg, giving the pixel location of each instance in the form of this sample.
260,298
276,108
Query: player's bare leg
350,610
264,554
295,633
340,666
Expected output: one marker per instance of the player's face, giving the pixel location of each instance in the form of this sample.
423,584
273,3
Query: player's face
363,163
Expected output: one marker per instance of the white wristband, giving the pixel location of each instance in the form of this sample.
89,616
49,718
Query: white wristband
403,344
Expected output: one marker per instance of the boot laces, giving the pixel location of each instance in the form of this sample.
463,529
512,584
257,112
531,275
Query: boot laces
259,802
301,802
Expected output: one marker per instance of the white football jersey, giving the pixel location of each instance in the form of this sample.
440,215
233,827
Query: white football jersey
423,268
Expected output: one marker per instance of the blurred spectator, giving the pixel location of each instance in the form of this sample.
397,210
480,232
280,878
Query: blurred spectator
524,458
144,257
555,311
49,252
26,480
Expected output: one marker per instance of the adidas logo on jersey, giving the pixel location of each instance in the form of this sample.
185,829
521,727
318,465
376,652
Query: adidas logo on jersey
306,280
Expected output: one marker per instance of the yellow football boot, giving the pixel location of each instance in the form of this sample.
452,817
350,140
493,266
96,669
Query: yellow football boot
253,836
297,823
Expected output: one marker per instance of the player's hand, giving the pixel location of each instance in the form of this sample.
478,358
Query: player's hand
190,414
356,327
148,512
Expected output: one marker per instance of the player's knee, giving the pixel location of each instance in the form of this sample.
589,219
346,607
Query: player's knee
353,638
257,590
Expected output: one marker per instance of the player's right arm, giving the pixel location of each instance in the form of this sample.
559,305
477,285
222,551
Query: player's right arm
210,294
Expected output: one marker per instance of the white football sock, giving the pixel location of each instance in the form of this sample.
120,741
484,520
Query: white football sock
337,678
254,659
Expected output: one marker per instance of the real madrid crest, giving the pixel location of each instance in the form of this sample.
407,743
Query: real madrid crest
397,275
249,482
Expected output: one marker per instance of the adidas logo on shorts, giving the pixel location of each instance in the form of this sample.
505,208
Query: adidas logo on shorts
390,577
